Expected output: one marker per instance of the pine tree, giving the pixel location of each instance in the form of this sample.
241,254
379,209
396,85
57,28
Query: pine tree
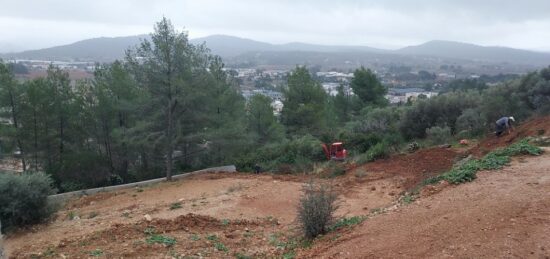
304,104
10,100
262,123
366,85
166,66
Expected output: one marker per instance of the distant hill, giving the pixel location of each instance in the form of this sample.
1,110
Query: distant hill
102,49
229,46
108,49
458,50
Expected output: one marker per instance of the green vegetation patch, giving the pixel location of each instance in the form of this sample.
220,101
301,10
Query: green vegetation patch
160,239
96,253
347,222
494,160
175,206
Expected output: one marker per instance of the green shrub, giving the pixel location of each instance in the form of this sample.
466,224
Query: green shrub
160,239
438,135
296,155
380,150
175,206
470,123
316,208
96,253
220,247
333,169
460,175
521,147
493,161
407,199
359,141
24,198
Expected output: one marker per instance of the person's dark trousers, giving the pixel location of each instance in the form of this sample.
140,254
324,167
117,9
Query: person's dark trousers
499,130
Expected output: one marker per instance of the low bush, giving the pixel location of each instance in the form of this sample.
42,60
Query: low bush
24,199
461,175
160,239
522,147
289,156
380,150
316,208
332,169
438,135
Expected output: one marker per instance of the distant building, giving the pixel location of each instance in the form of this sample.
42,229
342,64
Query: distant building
402,95
277,106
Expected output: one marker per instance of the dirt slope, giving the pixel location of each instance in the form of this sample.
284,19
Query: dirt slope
220,196
533,127
502,214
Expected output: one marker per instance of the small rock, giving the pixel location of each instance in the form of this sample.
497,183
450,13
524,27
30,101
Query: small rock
246,229
148,217
373,188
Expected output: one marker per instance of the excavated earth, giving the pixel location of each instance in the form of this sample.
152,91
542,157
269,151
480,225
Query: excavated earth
502,214
224,215
247,213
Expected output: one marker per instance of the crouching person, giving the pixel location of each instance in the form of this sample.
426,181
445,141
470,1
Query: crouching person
504,124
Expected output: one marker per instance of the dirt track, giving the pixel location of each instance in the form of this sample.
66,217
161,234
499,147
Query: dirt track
502,214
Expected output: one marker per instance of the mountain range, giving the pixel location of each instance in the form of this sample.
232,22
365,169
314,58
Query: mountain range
106,49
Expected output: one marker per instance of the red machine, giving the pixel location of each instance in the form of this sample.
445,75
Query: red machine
336,151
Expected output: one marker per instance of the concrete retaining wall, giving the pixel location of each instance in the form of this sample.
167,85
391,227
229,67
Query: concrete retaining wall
64,196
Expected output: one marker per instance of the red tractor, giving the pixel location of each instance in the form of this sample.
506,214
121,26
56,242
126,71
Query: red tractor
335,151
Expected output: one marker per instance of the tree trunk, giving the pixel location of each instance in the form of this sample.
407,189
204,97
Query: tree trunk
169,137
125,162
35,141
61,138
108,149
14,117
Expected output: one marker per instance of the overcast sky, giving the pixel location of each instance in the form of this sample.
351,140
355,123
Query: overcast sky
31,24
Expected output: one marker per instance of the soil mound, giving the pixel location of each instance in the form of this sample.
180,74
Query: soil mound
415,167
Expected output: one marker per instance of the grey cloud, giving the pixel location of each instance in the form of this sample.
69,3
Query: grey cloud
521,24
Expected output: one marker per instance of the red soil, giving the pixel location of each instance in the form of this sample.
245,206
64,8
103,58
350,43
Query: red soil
533,127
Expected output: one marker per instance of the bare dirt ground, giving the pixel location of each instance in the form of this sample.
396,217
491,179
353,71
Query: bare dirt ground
502,214
236,201
221,201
